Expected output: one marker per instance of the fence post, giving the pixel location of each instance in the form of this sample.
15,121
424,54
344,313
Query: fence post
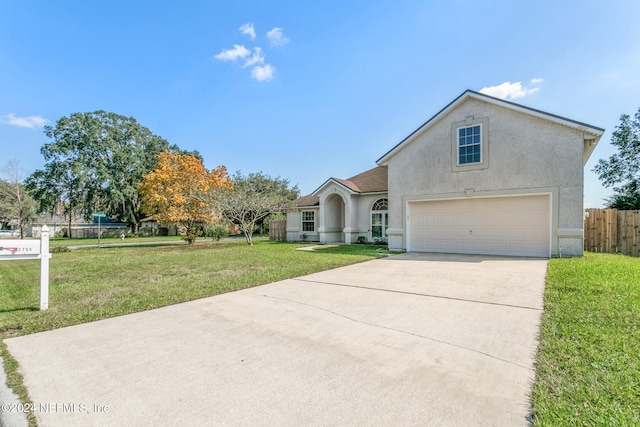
44,268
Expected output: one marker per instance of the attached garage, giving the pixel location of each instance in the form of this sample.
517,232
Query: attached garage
515,226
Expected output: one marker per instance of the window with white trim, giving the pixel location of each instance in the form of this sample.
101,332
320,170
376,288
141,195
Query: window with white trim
308,221
470,144
379,219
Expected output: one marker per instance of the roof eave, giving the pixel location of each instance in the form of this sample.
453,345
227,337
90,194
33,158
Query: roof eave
583,127
384,160
589,146
332,180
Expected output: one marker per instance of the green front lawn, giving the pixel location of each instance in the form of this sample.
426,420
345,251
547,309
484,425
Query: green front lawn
63,241
588,368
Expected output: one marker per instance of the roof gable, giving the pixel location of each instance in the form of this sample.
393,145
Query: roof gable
592,131
371,181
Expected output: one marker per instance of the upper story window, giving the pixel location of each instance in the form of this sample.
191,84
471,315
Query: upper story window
308,221
470,144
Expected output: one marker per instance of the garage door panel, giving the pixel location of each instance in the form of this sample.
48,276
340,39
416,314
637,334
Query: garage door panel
501,226
499,248
530,234
503,234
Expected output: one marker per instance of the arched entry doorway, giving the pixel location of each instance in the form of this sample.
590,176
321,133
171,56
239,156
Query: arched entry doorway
334,219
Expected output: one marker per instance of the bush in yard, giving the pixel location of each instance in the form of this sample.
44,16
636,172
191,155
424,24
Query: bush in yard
189,233
379,241
216,230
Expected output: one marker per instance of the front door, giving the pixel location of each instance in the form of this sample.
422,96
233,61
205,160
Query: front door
379,221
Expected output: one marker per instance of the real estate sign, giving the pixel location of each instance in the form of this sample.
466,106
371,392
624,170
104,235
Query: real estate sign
31,249
19,249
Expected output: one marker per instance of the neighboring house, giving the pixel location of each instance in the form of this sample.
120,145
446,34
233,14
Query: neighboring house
58,224
482,176
150,226
80,228
10,229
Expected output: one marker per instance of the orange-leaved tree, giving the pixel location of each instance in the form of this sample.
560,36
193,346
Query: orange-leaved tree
180,189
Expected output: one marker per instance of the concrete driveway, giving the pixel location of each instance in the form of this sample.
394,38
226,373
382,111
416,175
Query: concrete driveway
413,339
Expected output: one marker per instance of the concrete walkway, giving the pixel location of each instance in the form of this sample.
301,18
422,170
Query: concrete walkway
413,339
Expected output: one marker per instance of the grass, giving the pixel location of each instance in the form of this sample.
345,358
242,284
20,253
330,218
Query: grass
114,240
96,283
90,284
588,367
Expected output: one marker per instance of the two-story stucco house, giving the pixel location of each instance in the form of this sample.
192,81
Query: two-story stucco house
482,176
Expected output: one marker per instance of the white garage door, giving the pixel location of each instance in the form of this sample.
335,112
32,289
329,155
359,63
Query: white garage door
518,226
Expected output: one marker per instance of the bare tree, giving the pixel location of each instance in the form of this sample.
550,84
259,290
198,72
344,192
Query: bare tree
253,198
15,203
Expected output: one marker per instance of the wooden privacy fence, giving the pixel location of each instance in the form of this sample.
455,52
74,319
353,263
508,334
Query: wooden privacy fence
612,231
278,229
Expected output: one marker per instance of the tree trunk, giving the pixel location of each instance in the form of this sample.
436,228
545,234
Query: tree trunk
247,229
247,236
135,220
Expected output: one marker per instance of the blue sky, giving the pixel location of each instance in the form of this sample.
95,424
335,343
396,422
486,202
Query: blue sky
308,90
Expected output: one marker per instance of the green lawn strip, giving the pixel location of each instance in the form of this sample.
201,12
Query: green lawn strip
588,367
115,240
92,284
14,380
63,241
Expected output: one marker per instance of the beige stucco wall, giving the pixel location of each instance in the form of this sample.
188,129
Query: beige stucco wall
526,155
361,214
342,216
294,226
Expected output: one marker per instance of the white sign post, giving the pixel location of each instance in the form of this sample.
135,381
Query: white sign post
44,268
31,249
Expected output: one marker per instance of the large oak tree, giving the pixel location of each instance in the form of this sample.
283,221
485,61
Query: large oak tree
95,162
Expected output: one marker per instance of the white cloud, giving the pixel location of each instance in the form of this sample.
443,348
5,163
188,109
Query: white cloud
276,38
238,51
25,122
256,58
536,80
248,29
508,90
263,72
